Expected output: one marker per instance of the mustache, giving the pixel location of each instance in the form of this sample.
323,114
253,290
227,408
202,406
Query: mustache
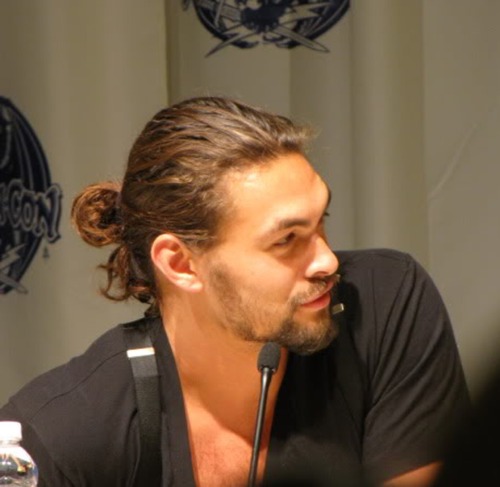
318,286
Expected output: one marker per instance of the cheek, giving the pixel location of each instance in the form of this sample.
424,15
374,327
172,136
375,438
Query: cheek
271,281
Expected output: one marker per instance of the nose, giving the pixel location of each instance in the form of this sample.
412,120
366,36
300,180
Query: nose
324,262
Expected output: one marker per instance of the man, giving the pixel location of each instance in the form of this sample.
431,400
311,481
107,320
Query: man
219,226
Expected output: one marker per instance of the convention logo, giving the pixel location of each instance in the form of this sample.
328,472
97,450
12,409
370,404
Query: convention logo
285,23
30,204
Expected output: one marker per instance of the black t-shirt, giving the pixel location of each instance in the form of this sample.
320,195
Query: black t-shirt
382,397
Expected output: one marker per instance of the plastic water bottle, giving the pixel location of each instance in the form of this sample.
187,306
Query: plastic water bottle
17,468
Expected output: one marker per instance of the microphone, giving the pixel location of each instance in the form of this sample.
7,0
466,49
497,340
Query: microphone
267,364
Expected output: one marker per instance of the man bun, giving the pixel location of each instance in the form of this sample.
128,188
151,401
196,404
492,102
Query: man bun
96,214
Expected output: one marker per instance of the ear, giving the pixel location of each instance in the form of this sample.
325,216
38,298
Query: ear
172,258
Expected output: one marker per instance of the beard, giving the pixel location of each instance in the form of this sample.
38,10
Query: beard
249,315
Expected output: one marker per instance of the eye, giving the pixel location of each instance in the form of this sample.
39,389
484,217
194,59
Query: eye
285,240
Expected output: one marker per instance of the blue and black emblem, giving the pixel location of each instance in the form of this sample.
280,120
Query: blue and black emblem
30,204
285,23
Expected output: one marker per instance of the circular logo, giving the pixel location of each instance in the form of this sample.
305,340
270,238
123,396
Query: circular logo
30,204
286,23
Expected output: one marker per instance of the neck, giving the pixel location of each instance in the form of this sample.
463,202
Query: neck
218,373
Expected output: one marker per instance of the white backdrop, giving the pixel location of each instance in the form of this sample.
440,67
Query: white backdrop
407,105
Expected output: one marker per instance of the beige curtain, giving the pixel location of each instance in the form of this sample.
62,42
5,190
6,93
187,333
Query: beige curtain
461,84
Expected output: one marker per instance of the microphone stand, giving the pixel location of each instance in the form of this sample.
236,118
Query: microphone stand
267,364
264,388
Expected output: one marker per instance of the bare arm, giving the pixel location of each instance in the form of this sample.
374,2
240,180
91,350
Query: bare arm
420,477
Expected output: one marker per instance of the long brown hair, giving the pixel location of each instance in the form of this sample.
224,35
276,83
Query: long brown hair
171,185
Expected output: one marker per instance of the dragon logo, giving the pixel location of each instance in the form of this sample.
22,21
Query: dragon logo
285,23
30,205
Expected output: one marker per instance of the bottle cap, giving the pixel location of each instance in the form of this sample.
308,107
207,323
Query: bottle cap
10,431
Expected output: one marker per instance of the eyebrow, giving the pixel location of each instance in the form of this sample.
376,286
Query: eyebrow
285,223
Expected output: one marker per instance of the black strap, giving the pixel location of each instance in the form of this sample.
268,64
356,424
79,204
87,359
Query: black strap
142,358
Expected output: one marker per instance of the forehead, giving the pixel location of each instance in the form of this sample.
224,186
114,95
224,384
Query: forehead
262,196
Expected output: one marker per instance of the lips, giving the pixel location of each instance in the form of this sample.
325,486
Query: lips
320,300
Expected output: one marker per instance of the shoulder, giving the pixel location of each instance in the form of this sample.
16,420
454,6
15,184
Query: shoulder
394,316
60,385
354,262
376,279
81,410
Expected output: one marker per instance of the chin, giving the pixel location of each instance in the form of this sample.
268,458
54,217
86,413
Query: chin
308,344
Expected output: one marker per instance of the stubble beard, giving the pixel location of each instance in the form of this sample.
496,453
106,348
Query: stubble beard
245,318
307,338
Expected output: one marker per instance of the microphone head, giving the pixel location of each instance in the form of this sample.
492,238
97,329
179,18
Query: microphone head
269,356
